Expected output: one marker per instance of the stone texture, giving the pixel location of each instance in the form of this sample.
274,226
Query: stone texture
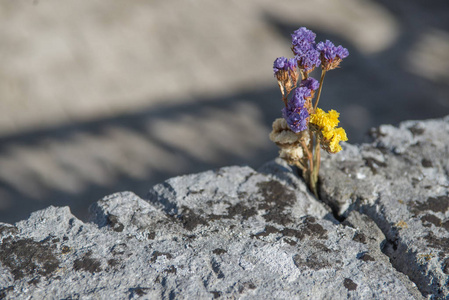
401,182
230,233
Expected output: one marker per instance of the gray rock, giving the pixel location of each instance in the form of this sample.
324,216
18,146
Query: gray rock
401,182
230,233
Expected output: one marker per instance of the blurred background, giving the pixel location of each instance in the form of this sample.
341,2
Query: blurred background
104,96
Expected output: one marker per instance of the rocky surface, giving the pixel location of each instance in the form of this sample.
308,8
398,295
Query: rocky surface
228,233
380,232
401,181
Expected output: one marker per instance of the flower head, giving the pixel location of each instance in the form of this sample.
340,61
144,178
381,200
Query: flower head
303,36
299,98
284,64
285,70
331,55
295,113
296,119
338,135
310,83
325,124
304,48
324,120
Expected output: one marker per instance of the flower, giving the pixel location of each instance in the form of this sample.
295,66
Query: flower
324,120
285,71
325,123
303,36
288,141
308,87
338,135
296,119
331,55
299,97
284,64
310,83
295,113
304,48
282,135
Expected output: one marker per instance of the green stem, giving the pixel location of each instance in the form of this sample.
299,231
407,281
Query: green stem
323,73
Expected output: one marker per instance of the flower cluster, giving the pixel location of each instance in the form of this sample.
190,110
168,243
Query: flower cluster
304,48
310,83
305,128
295,113
284,64
325,124
298,108
331,56
285,70
287,141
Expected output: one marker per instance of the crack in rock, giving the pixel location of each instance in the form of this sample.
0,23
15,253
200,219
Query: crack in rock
404,190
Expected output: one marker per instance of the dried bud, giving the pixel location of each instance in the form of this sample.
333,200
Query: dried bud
291,154
281,133
288,141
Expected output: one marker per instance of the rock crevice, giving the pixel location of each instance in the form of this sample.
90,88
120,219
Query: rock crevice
401,182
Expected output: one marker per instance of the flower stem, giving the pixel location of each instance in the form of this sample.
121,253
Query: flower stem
284,96
304,75
300,166
285,101
323,73
311,141
308,171
309,155
315,172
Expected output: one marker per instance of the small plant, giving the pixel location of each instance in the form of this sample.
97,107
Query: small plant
305,128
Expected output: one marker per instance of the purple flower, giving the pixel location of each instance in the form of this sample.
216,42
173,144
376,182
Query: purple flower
331,55
310,83
284,64
303,37
304,48
330,51
295,113
297,119
280,63
299,98
292,63
309,59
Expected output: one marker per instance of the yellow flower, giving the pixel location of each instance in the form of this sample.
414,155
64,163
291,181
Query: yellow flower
339,135
326,122
333,118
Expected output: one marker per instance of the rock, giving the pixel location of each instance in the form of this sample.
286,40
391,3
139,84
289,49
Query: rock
230,233
235,191
401,182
